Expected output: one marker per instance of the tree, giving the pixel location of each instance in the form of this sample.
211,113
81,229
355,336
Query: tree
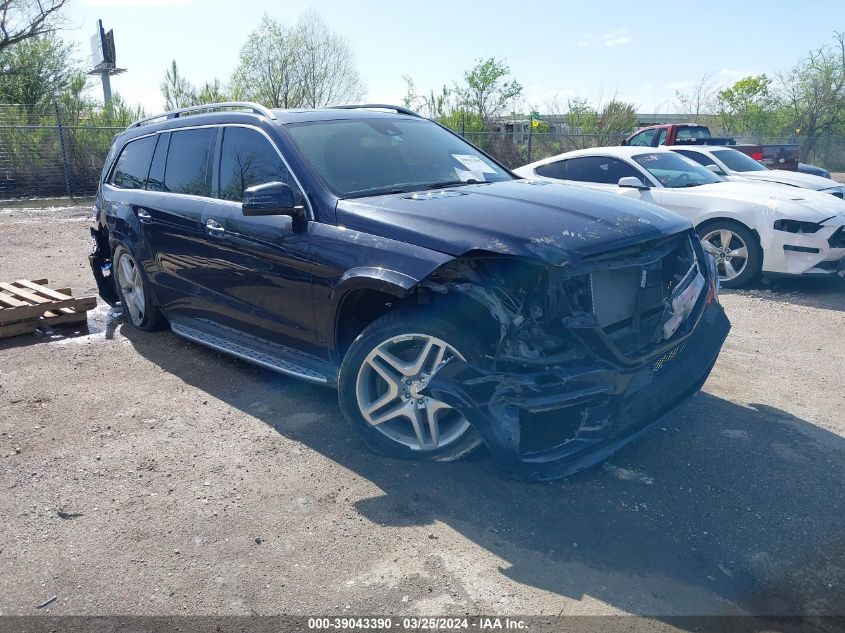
814,91
595,125
749,107
304,66
176,90
325,64
21,20
486,91
614,120
267,69
36,69
434,105
211,92
698,103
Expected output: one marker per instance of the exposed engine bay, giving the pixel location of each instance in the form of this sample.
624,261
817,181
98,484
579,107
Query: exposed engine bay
636,297
586,358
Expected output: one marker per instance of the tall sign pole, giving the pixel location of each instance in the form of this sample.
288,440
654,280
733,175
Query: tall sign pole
104,59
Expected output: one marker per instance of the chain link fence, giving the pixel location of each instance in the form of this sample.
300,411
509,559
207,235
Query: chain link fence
516,150
46,152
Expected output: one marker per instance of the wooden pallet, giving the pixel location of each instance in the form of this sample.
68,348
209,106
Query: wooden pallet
29,304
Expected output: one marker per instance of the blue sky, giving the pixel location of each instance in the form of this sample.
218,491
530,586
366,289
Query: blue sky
640,51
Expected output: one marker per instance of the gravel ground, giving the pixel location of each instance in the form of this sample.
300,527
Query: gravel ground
148,475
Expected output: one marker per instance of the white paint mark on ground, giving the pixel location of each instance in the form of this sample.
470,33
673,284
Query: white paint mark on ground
627,474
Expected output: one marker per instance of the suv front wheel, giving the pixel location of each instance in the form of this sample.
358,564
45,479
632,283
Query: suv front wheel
380,381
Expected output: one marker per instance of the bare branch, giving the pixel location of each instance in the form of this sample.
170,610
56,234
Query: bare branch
24,19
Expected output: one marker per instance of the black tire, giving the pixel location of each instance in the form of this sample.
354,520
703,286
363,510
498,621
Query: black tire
151,318
424,321
754,262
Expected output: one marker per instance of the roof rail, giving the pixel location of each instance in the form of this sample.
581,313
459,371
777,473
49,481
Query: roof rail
256,108
376,106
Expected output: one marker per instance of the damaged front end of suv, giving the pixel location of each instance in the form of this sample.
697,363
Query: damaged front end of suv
587,355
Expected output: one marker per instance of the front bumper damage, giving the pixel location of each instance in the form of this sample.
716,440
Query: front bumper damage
552,423
821,252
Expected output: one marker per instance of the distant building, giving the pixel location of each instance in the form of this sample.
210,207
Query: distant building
644,120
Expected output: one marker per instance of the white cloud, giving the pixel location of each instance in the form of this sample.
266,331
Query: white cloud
125,4
584,42
618,37
619,41
678,85
732,75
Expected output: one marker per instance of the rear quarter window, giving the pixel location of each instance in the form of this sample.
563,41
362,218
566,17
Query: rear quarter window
556,169
599,169
133,165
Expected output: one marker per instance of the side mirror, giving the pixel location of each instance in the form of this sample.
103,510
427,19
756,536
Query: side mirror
272,198
633,182
715,169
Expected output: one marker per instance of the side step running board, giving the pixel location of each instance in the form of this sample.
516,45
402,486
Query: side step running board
245,353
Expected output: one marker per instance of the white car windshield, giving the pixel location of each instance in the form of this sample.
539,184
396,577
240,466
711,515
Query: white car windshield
737,161
674,171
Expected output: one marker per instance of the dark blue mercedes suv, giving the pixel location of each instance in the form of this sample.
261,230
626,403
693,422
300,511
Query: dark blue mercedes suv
450,303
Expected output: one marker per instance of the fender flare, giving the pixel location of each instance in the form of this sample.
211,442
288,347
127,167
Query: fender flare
384,280
373,278
391,282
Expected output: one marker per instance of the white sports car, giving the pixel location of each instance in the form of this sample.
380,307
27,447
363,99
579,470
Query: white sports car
734,165
748,227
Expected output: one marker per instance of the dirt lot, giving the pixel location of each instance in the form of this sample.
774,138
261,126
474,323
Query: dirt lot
189,482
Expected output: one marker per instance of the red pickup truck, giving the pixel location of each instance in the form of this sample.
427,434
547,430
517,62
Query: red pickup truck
772,156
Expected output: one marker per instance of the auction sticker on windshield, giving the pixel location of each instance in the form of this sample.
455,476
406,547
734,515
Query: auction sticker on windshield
474,163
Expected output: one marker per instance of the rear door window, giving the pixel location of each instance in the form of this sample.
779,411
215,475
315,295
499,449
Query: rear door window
247,158
132,167
189,160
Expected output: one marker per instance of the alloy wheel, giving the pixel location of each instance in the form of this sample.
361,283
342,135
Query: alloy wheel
131,287
729,250
388,389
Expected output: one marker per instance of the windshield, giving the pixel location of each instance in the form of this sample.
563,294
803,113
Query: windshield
366,157
737,161
675,171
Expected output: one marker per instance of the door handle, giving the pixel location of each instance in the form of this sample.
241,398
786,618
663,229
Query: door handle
144,216
214,227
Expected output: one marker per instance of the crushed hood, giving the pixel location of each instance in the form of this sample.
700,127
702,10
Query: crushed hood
550,222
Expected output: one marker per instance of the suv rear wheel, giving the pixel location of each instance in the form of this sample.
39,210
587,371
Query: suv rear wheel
382,375
136,296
